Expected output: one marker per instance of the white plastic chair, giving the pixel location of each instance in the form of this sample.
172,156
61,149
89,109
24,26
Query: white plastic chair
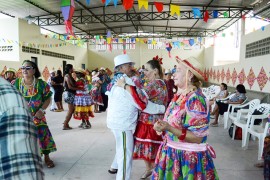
233,116
229,111
223,100
258,131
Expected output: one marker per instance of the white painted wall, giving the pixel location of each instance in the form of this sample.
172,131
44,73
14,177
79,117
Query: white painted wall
140,56
31,34
256,63
9,31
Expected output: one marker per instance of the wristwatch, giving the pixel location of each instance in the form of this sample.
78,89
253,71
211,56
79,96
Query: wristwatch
42,110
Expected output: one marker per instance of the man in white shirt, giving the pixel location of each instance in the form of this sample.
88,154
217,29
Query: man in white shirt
122,115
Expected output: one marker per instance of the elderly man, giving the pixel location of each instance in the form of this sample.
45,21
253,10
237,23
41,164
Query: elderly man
124,103
19,155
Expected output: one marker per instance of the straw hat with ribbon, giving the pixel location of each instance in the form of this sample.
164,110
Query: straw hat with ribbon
11,70
194,66
80,71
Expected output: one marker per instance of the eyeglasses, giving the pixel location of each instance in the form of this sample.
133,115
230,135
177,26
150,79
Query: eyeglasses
27,67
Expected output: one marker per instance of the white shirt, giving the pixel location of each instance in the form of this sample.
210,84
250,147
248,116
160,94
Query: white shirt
123,110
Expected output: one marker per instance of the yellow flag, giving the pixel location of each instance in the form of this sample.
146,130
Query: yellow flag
143,3
137,39
109,40
154,42
175,10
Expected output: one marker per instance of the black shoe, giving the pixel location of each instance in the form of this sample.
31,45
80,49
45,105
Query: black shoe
112,171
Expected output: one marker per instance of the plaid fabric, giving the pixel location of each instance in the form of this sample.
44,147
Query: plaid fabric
19,155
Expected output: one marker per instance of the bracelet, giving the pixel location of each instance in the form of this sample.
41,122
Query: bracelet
42,110
183,135
125,86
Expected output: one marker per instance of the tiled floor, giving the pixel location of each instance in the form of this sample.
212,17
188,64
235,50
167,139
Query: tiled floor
86,154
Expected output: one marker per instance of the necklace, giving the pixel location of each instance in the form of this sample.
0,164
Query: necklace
33,89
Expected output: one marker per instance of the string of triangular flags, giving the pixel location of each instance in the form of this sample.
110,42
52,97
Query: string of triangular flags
174,9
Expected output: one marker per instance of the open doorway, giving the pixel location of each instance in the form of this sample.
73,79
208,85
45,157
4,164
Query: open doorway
64,65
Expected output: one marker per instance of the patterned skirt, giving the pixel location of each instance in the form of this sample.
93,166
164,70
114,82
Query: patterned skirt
83,107
46,142
177,164
146,142
96,96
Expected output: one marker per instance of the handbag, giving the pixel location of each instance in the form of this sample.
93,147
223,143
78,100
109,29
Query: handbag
238,132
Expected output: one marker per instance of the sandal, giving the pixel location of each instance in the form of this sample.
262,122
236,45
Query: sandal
49,164
214,124
112,171
146,174
259,165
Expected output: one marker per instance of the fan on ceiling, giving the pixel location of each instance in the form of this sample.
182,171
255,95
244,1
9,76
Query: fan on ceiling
30,19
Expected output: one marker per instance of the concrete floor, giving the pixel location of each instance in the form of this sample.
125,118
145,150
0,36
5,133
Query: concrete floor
86,154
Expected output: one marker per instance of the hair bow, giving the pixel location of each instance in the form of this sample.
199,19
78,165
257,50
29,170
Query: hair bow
158,59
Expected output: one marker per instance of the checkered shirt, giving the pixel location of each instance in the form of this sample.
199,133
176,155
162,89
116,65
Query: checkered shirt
19,150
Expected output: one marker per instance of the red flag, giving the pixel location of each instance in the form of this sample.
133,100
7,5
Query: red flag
128,4
159,6
103,1
206,16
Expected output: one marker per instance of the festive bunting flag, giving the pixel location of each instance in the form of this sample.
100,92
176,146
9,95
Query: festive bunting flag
169,48
115,2
107,2
159,6
68,8
175,10
191,42
226,14
206,16
215,14
196,12
262,28
103,1
143,3
88,2
128,4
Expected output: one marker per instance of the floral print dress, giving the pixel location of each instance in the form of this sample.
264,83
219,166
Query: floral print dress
35,97
192,113
147,141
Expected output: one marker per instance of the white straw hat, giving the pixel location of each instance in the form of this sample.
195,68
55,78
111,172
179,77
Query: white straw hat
194,66
122,59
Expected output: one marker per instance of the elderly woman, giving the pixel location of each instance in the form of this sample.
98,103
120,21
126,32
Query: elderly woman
238,98
221,95
10,75
37,94
184,153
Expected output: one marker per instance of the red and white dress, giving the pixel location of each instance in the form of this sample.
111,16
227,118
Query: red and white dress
147,141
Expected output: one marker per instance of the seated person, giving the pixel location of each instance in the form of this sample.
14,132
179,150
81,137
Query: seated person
238,98
222,94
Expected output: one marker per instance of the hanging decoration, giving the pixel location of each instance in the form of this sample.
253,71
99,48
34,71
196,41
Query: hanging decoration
159,6
263,28
109,40
103,1
215,14
196,12
128,4
67,8
143,3
169,48
206,16
124,47
191,42
88,2
175,10
226,14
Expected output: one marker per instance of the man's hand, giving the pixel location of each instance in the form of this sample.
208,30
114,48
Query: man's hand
121,82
